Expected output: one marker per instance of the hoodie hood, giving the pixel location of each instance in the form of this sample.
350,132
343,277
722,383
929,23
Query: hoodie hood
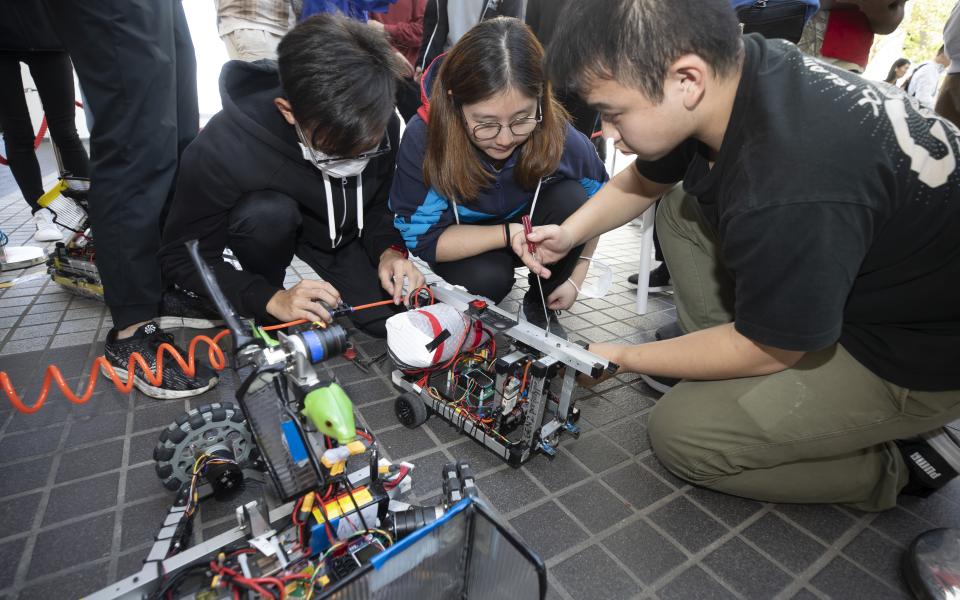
247,91
426,86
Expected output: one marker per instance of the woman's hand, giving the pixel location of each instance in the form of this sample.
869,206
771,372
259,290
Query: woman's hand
394,267
563,297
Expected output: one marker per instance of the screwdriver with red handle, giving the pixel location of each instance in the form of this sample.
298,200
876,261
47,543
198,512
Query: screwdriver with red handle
527,230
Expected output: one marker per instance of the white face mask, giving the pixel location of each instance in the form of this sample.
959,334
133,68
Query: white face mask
348,167
598,280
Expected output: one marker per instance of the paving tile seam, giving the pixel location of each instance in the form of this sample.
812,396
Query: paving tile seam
835,550
26,556
14,590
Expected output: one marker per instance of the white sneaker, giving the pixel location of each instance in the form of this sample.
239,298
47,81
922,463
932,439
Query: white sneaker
47,230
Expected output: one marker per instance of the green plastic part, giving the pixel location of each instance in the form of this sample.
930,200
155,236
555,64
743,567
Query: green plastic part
260,332
331,412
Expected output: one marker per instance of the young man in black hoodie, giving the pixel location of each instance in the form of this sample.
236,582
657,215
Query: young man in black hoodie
299,161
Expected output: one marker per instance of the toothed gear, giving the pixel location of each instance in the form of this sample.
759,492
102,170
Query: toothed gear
195,431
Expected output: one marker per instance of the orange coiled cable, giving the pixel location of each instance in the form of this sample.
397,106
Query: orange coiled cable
217,360
53,375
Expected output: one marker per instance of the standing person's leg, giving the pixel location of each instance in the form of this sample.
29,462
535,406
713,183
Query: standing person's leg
125,54
187,107
53,74
351,271
702,287
18,131
819,432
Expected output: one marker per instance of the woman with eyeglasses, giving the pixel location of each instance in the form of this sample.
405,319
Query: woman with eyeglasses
299,162
490,147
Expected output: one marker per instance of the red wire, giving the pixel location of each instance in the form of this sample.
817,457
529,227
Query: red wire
404,471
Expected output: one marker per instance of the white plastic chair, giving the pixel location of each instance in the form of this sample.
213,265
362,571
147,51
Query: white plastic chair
646,223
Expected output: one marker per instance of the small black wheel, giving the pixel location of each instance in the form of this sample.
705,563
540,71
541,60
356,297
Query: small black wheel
411,411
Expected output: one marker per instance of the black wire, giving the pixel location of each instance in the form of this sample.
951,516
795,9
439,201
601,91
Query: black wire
357,506
174,582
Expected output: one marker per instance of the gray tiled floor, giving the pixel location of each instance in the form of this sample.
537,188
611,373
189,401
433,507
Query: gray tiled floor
79,502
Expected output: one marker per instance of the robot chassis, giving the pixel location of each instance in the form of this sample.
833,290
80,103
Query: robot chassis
540,419
301,430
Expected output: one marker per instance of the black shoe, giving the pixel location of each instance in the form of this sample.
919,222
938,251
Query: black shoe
533,311
933,459
659,279
659,383
669,331
145,341
179,309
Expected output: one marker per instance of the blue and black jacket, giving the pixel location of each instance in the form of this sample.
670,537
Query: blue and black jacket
421,213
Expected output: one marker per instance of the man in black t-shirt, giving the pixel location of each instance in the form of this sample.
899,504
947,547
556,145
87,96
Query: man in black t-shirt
815,253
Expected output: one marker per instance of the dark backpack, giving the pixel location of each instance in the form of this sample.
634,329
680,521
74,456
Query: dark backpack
775,19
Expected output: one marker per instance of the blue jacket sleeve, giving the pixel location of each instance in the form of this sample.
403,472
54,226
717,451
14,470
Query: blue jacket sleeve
581,162
420,213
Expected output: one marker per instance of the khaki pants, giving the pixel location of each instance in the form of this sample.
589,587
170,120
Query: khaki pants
251,44
819,432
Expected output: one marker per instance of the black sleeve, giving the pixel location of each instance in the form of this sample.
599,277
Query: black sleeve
378,231
672,167
511,8
532,18
794,266
435,32
200,210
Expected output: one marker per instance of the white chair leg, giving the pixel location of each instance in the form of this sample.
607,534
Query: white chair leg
611,162
646,255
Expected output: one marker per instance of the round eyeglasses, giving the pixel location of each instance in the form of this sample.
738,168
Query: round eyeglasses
483,132
518,127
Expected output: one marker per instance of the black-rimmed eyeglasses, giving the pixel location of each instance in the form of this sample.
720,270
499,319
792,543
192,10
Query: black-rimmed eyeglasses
318,158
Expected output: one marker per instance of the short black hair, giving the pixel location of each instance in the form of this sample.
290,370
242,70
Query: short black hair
634,42
340,77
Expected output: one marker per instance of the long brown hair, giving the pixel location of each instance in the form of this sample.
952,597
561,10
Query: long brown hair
490,58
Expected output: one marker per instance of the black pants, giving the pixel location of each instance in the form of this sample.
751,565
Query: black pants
264,236
53,76
491,274
139,74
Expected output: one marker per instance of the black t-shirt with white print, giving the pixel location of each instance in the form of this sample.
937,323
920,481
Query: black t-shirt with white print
837,204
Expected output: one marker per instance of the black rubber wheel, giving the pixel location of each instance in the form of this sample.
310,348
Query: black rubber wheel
410,410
